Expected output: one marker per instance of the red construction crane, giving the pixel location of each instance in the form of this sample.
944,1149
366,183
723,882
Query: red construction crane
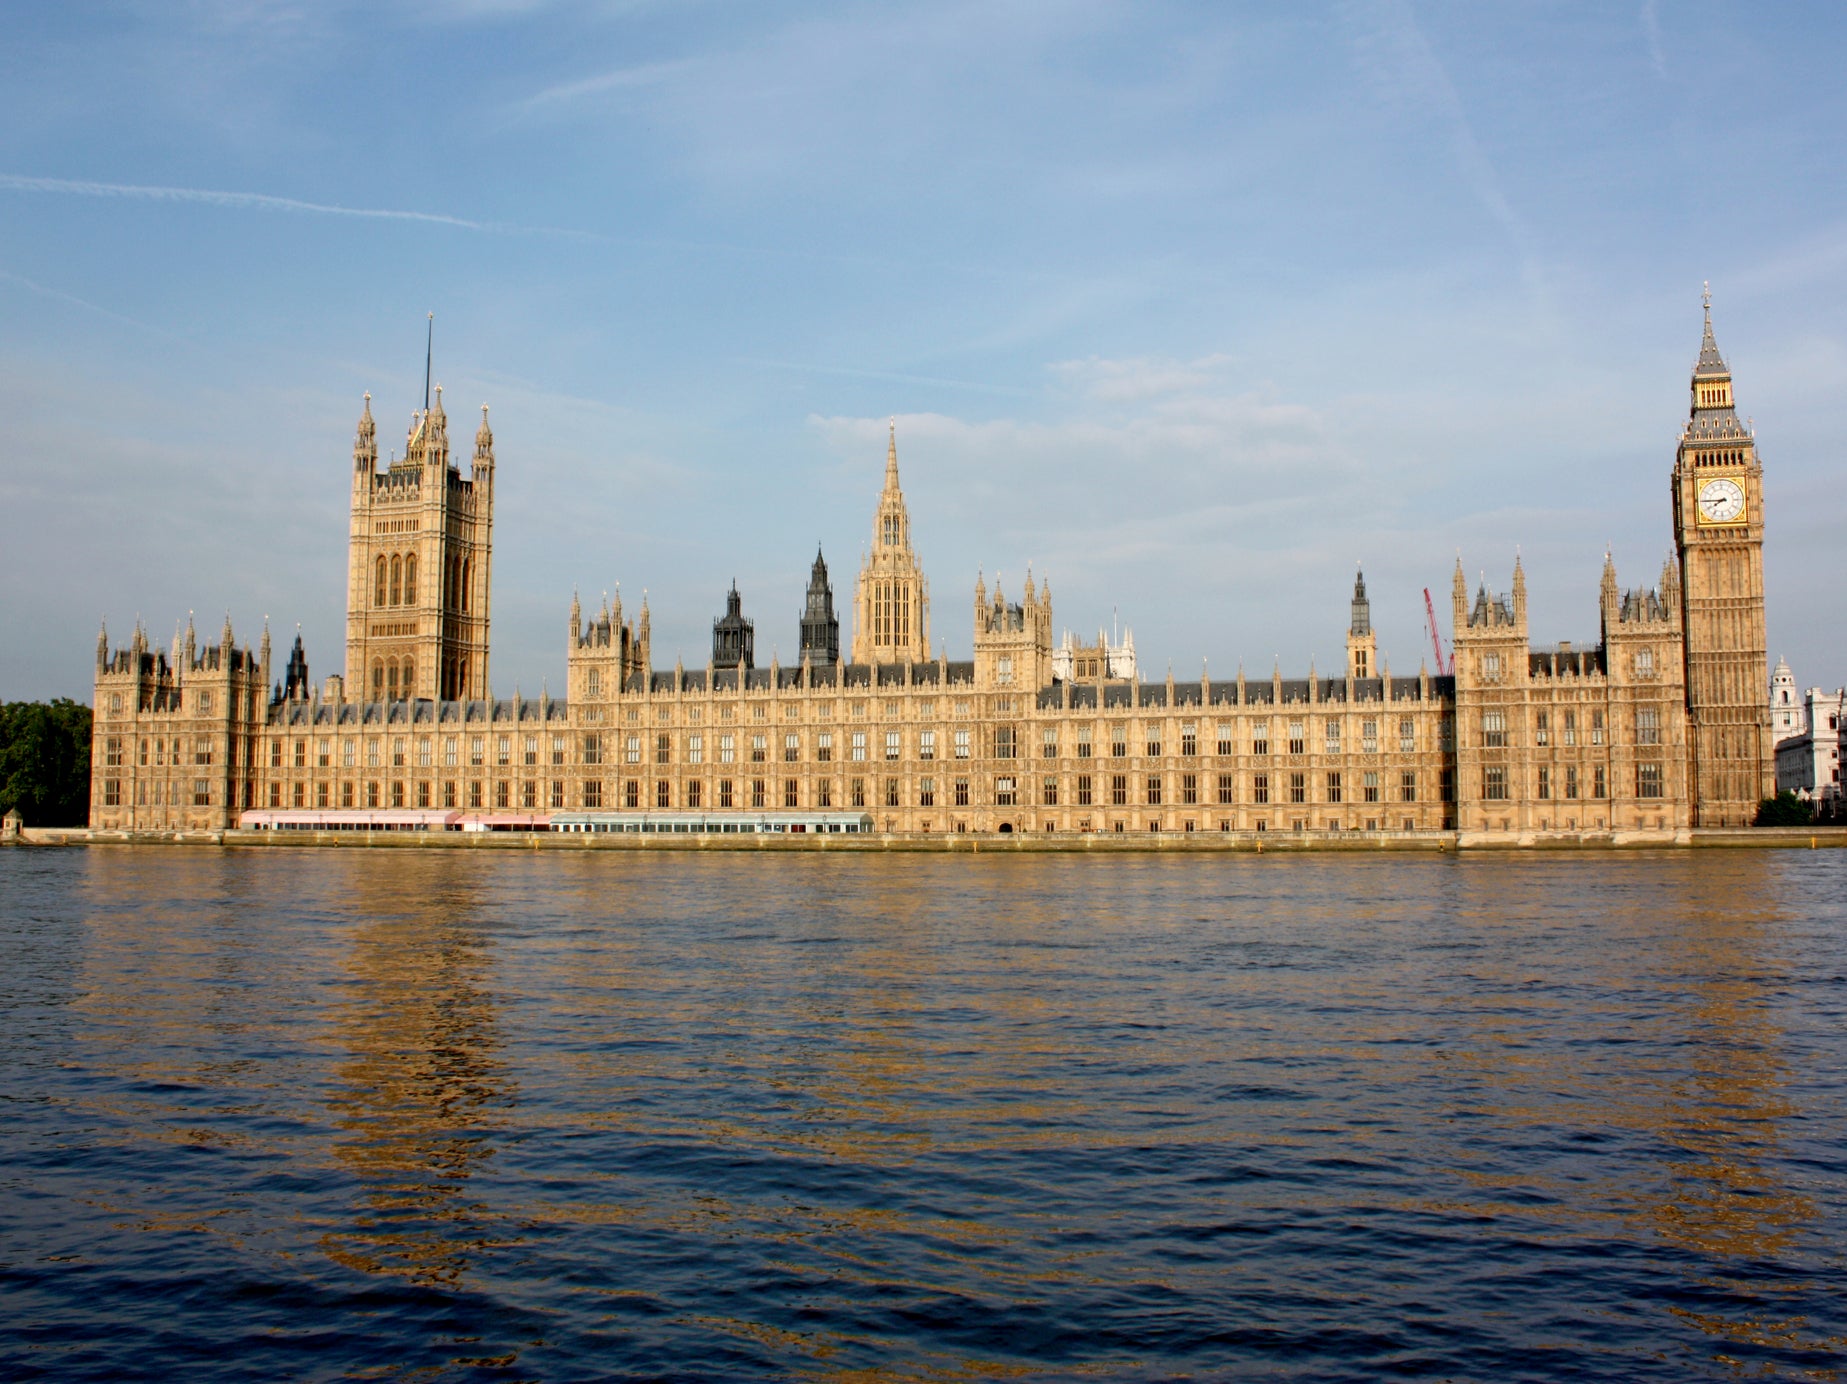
1444,666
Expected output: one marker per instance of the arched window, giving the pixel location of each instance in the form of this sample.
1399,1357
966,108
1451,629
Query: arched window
468,577
391,678
409,683
397,579
381,583
378,671
410,580
461,676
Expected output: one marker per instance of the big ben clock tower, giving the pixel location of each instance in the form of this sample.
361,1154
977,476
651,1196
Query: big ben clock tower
1719,528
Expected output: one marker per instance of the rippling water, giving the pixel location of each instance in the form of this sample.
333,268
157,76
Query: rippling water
448,1115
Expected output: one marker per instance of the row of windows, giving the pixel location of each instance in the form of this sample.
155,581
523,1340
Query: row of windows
394,581
760,747
199,750
1009,791
1569,784
150,794
1495,734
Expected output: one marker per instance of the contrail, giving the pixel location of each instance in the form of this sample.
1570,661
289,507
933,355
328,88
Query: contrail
262,201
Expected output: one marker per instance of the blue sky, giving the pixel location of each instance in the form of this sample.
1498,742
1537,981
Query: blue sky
1190,306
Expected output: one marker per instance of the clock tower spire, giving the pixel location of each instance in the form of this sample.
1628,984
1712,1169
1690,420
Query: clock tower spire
1719,532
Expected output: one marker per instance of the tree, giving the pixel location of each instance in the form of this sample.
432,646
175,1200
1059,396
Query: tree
45,762
1784,810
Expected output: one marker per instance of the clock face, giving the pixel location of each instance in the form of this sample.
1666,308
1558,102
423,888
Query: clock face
1721,501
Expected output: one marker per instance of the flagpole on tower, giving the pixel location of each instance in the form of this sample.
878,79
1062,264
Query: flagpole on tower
429,342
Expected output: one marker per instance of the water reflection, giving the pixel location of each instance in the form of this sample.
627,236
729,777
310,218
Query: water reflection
421,1097
1660,1034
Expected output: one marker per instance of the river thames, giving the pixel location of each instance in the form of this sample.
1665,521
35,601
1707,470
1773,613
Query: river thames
292,1114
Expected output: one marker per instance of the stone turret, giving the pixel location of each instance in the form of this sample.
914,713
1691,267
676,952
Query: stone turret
820,628
1362,644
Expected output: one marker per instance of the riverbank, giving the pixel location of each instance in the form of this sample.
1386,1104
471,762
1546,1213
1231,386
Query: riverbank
1138,843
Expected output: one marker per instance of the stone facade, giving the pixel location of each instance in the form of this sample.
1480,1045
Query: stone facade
1623,735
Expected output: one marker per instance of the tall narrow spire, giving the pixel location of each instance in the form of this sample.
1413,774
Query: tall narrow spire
429,347
891,456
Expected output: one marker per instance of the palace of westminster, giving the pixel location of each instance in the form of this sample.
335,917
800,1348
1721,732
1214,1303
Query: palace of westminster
1658,726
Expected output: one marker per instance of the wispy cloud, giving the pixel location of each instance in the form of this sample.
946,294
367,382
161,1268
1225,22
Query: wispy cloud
262,201
60,296
1651,31
619,79
1405,68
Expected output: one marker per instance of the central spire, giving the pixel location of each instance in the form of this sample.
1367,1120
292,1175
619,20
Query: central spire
891,604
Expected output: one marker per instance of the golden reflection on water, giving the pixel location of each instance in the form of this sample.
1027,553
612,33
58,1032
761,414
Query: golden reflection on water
912,1019
1709,1083
421,1089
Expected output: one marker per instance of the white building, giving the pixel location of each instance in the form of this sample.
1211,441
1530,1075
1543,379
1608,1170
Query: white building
1808,763
1785,707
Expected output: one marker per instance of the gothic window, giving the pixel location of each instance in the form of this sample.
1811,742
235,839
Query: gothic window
695,749
663,793
468,573
1644,663
1369,786
410,678
1494,783
1648,780
695,794
792,748
1154,790
1119,789
1369,737
1334,786
1298,788
1297,737
1003,742
858,750
1083,790
379,597
391,678
1260,738
926,792
1545,781
1189,739
1648,728
410,579
1227,788
1333,736
1407,736
1541,730
663,748
1493,729
961,744
1005,793
1407,786
397,580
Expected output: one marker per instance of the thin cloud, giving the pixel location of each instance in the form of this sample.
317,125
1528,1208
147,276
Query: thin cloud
621,78
59,295
262,201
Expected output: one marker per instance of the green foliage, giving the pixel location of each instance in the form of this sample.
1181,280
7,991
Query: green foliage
45,762
1784,810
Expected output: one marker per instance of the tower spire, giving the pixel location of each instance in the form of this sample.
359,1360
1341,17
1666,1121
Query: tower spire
429,346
